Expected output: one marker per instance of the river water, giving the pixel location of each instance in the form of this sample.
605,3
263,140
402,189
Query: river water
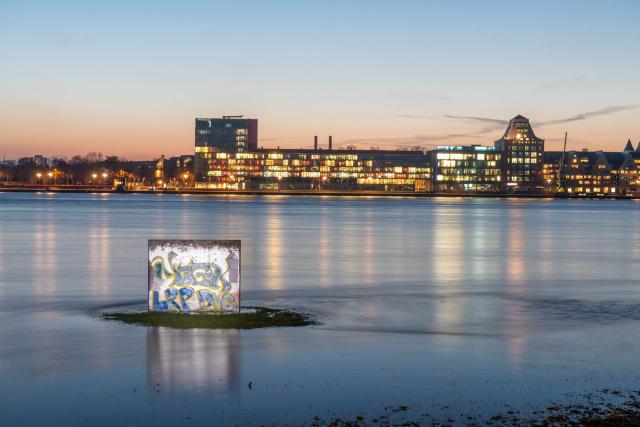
452,307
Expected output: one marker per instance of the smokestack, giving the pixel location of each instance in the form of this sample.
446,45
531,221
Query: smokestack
315,143
330,142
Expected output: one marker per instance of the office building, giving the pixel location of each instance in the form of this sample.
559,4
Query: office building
229,134
522,157
314,170
466,169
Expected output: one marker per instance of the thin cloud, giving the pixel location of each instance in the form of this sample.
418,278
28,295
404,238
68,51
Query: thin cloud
597,113
486,120
497,123
491,125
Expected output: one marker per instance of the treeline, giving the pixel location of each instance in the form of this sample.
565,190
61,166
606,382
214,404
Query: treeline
93,168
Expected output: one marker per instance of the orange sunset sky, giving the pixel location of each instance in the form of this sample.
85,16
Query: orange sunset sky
129,79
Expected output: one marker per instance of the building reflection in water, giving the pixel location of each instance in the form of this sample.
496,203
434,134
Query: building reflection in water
1,260
545,240
185,221
447,266
193,359
635,248
275,243
45,256
515,318
480,240
348,249
368,266
515,251
324,258
100,253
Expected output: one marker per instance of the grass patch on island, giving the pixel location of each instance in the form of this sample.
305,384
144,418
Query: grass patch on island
258,317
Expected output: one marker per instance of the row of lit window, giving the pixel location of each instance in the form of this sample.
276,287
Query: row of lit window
274,166
469,171
467,156
495,178
531,148
596,190
280,156
397,169
373,181
294,162
315,174
465,163
521,160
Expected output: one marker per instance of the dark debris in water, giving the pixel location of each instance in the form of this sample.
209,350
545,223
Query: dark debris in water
597,411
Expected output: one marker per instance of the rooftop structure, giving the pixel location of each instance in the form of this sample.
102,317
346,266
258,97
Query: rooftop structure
522,151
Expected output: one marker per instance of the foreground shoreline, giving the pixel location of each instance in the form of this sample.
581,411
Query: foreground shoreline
332,193
605,408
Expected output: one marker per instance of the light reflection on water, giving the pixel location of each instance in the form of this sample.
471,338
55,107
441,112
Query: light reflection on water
193,360
469,301
274,248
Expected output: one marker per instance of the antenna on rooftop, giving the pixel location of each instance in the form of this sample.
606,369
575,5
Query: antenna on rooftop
561,186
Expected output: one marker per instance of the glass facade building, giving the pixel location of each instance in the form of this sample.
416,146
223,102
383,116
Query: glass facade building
227,134
466,169
313,170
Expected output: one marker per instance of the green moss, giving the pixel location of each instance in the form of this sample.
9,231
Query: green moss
259,317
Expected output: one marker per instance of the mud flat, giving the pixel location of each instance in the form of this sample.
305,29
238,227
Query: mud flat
252,318
603,408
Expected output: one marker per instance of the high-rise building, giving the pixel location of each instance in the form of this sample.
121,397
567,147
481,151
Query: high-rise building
522,155
229,134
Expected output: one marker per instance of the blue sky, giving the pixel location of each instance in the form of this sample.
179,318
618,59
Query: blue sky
129,77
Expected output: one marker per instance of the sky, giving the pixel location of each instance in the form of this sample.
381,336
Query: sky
128,78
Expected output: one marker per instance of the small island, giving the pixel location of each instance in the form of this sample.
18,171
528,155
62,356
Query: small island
254,317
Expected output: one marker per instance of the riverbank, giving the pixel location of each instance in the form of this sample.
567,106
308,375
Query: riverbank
332,193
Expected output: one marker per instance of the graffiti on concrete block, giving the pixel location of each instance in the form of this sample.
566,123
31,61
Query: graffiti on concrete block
200,276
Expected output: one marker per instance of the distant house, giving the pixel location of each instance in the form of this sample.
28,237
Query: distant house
593,173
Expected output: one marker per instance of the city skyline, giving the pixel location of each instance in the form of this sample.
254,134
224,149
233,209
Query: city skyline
129,79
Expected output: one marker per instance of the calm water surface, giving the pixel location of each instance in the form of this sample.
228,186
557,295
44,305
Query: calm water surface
449,306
